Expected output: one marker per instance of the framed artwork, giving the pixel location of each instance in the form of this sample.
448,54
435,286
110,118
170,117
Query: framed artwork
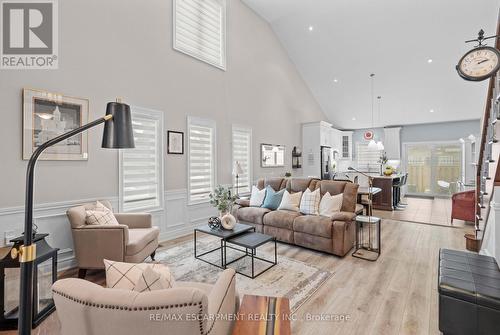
175,142
272,155
47,115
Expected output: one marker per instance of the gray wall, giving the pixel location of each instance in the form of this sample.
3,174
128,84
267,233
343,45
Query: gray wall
123,48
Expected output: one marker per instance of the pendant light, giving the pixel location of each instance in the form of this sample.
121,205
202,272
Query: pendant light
380,145
372,145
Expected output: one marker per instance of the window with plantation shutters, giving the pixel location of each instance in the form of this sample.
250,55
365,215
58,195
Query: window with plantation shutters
367,158
200,30
242,153
201,159
141,168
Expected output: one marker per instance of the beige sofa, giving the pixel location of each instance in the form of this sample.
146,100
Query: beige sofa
334,235
85,308
132,241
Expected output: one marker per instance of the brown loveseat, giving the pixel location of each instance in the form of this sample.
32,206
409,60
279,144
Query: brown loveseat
330,234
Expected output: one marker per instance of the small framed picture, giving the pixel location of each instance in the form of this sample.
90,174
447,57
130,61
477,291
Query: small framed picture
47,115
175,142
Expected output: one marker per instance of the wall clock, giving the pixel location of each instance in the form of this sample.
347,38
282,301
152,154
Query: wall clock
479,63
368,135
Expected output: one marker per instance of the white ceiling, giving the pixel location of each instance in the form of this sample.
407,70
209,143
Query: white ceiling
393,39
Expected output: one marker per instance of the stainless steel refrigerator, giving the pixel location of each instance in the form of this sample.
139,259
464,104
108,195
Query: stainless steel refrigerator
326,163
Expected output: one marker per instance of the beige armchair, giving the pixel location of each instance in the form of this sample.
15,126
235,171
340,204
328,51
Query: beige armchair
132,241
188,308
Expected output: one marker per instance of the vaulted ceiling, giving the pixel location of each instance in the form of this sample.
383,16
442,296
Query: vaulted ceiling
412,46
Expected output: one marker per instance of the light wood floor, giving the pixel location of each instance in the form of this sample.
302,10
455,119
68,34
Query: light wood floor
394,295
425,210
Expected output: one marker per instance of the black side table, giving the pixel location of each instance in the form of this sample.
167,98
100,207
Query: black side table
367,238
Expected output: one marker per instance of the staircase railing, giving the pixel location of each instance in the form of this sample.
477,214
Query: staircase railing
488,163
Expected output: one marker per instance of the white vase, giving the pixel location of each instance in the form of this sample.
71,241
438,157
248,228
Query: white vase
228,221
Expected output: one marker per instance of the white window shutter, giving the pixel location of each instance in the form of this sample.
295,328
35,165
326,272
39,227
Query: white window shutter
367,158
242,153
141,168
200,30
201,159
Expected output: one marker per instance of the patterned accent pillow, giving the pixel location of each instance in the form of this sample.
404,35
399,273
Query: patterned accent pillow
150,280
126,275
309,204
100,207
100,218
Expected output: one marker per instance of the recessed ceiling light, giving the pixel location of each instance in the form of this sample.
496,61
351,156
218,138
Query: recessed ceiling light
429,60
354,119
335,80
311,28
431,111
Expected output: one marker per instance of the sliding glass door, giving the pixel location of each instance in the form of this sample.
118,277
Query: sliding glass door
434,168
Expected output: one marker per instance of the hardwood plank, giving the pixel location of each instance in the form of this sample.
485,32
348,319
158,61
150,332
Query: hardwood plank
397,294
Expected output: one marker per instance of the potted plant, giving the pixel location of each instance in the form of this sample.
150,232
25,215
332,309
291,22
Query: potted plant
382,161
222,199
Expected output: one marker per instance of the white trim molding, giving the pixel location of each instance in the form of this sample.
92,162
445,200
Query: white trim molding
176,219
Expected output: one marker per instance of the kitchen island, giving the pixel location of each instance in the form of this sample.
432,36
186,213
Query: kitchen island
383,200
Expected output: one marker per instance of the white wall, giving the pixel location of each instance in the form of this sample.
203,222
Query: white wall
123,48
491,240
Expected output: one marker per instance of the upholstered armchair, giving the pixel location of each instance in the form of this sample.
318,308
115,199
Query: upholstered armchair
188,308
463,206
132,240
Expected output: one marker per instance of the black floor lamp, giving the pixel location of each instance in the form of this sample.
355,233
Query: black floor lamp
118,134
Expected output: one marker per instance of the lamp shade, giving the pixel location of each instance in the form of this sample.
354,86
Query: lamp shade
237,169
118,132
372,145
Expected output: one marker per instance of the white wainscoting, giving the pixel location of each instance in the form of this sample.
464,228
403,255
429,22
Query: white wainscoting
176,219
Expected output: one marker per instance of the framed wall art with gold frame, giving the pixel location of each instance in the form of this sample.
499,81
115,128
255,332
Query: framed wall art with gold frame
47,115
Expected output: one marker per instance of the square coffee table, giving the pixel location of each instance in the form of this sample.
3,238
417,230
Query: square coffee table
251,241
224,235
243,236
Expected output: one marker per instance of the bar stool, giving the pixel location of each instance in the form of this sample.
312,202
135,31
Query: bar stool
405,180
396,192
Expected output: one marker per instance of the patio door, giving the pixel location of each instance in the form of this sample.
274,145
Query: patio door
434,168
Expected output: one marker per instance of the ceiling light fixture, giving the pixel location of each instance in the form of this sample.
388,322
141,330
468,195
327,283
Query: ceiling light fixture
431,111
380,145
429,60
335,80
311,28
372,145
354,119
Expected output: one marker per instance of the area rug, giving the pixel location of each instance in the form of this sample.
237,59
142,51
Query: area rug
289,278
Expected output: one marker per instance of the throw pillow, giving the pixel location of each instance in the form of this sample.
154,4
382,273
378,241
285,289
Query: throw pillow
330,204
290,201
96,217
150,280
100,207
273,199
257,197
309,204
126,275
